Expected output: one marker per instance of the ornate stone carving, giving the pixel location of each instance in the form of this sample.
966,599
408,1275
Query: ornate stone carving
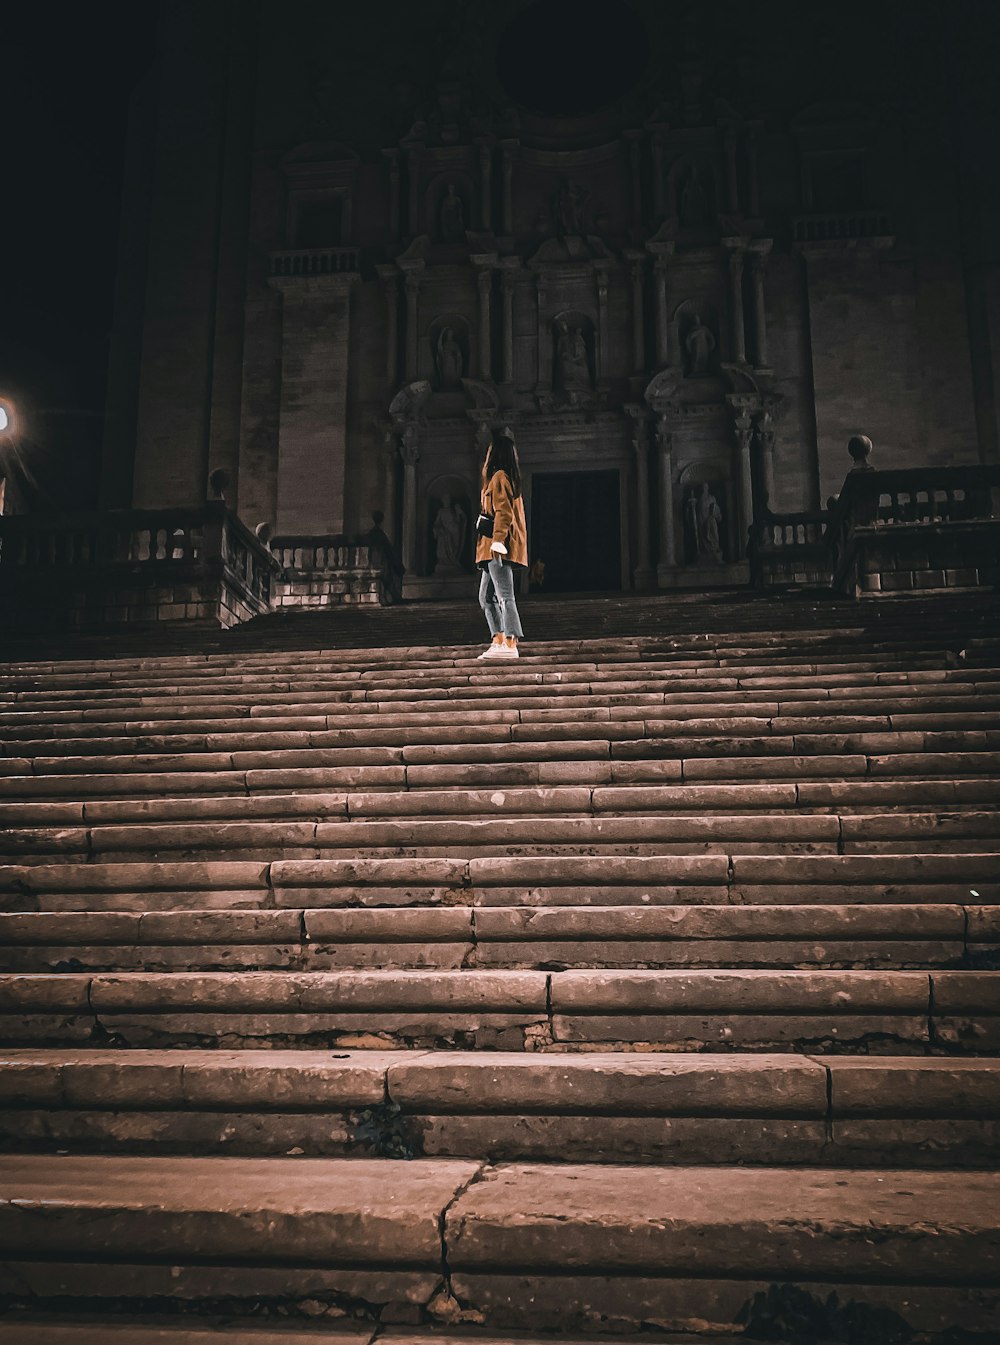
451,216
449,535
449,358
572,364
700,346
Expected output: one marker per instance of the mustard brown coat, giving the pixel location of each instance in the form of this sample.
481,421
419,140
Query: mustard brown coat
509,527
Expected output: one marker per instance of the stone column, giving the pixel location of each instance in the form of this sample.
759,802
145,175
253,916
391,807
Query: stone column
601,280
743,427
634,141
392,159
485,187
412,274
765,438
736,249
507,280
390,457
390,280
732,178
758,252
753,181
413,169
484,281
659,192
312,426
544,343
508,185
635,261
665,463
662,337
640,444
409,452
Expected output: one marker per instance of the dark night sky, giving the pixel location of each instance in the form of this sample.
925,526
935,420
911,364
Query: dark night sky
67,74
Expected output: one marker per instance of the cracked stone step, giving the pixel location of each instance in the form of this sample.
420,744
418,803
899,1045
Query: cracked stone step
588,1107
691,1239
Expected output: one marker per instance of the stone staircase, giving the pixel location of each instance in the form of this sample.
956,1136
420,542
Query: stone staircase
647,983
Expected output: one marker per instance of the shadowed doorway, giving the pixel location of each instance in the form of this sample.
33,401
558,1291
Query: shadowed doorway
576,530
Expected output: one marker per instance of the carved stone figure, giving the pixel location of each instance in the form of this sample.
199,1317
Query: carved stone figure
452,216
694,202
709,519
449,535
568,209
699,346
449,358
571,358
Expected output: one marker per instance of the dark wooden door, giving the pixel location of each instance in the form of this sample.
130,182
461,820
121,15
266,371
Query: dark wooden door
576,530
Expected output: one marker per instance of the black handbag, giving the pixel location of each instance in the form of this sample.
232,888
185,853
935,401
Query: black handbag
484,525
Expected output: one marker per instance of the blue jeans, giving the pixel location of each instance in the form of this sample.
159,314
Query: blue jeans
496,598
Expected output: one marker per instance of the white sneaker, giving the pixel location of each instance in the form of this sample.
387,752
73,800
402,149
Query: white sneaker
491,651
506,651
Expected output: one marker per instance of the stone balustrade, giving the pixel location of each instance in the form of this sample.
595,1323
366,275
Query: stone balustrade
89,569
909,530
329,571
832,226
305,262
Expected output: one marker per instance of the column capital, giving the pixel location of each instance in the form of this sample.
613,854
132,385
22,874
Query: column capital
759,249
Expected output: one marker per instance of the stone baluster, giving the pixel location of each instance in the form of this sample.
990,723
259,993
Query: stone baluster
601,281
409,452
635,261
665,462
640,445
758,252
485,187
737,252
412,284
484,284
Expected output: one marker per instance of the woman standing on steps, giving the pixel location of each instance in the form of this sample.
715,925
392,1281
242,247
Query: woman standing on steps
504,545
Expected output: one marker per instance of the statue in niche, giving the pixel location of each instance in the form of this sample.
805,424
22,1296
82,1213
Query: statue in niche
449,358
452,216
569,207
699,347
694,202
572,366
703,521
449,535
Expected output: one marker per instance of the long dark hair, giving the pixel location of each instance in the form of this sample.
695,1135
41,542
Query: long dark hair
501,456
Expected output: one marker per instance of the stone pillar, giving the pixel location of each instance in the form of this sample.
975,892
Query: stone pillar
413,169
662,326
659,192
508,185
736,256
601,280
485,187
635,261
743,427
484,281
665,463
753,180
544,343
640,444
507,280
732,178
412,282
390,458
390,280
409,452
312,426
758,252
634,141
392,159
765,439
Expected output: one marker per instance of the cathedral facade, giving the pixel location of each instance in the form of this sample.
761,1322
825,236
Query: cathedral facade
684,255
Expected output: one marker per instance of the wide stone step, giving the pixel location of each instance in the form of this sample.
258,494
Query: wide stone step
906,1011
540,937
592,1107
528,881
634,1243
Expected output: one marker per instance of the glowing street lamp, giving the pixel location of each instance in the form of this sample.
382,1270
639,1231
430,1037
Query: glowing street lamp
6,416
